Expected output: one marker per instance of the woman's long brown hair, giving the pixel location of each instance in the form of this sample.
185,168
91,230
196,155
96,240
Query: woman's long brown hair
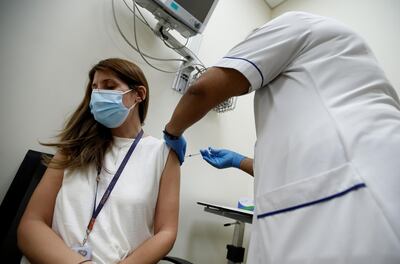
83,140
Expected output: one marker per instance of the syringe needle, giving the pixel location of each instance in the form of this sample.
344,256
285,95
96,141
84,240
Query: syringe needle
191,155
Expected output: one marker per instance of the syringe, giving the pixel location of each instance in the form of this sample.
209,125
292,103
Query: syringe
191,155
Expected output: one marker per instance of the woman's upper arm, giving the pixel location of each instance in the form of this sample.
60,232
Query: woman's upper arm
42,202
167,208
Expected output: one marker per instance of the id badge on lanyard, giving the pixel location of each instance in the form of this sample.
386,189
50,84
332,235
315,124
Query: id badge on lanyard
84,249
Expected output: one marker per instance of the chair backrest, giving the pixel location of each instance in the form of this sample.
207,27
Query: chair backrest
13,206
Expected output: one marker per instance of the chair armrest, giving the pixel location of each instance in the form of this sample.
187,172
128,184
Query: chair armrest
176,260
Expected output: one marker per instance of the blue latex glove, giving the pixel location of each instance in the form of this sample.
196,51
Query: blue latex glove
177,144
222,158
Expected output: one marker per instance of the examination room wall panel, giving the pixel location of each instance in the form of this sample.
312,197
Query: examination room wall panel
377,21
46,50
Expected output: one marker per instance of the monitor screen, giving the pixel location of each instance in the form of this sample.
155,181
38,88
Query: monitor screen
189,17
198,9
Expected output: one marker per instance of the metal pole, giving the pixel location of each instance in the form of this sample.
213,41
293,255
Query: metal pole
237,240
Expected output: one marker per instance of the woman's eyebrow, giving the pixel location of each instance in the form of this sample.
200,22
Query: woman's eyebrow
104,82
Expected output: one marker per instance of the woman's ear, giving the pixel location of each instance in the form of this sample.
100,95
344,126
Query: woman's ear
142,92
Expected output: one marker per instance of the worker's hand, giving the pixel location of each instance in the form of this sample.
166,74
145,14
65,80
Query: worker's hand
222,158
177,143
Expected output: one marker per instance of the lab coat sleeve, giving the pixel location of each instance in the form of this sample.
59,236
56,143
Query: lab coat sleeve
267,52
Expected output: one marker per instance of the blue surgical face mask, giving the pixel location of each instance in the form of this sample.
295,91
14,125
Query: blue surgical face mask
107,107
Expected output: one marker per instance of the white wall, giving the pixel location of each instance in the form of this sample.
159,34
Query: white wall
46,50
377,21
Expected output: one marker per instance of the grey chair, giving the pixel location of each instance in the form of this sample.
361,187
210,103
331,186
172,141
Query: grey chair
13,206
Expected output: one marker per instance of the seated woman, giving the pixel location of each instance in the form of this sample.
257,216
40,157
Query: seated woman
91,207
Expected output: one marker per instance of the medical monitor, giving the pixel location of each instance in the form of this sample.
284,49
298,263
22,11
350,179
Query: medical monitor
188,17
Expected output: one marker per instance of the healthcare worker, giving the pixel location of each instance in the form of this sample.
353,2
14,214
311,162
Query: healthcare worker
326,160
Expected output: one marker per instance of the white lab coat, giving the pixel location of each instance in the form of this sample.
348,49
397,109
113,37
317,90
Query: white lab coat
327,156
